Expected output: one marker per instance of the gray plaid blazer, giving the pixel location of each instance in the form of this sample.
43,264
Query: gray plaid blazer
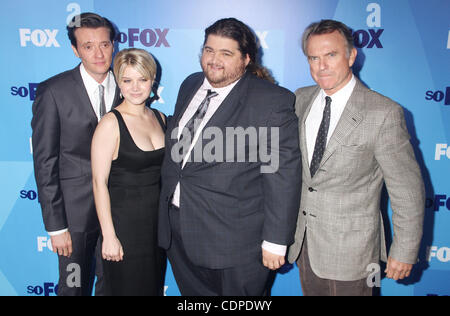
340,205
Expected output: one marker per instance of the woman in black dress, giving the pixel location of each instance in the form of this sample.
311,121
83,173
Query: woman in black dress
127,153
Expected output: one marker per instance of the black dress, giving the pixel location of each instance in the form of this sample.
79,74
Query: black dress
134,188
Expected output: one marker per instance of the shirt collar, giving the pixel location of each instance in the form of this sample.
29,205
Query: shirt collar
221,91
91,84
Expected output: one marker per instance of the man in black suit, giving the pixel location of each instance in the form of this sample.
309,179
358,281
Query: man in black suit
226,221
66,111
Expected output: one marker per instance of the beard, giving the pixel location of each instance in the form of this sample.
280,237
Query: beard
219,76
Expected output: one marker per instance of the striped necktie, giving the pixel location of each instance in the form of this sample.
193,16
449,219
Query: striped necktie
193,124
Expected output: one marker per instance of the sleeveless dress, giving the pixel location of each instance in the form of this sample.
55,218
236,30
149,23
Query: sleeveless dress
134,188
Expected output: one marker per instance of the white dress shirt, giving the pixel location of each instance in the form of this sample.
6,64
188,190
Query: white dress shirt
214,104
92,90
338,103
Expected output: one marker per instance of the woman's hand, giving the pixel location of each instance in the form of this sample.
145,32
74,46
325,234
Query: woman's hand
112,249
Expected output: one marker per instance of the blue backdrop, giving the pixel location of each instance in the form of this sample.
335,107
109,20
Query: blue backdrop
404,53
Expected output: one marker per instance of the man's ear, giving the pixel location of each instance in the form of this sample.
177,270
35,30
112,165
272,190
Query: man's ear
75,51
352,58
247,60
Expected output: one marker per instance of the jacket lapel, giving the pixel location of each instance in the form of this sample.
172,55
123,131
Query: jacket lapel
181,105
350,119
82,93
233,100
117,98
302,130
187,98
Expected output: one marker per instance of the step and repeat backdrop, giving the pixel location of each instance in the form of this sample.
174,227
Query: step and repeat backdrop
403,52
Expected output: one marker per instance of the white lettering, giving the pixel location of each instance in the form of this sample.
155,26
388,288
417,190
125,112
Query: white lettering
51,38
39,38
441,150
75,10
187,306
448,41
74,278
44,242
262,38
374,278
441,254
24,36
374,18
160,90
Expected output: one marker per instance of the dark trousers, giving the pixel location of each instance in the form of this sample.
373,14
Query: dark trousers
248,279
77,273
312,285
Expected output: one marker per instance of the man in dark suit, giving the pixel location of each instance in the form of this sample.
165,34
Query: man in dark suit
226,221
66,111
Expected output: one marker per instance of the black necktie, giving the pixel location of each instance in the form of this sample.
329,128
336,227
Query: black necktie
194,123
321,140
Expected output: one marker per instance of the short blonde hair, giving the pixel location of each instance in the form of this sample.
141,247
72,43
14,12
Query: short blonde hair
139,59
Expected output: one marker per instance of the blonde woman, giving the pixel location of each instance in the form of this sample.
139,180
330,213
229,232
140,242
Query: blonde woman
127,152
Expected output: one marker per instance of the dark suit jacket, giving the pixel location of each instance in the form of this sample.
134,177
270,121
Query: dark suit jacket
63,125
228,208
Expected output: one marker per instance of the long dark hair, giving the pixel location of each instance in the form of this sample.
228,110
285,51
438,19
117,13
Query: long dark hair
241,33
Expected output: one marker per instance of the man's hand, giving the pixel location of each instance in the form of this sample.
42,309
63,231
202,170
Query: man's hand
397,270
62,244
272,261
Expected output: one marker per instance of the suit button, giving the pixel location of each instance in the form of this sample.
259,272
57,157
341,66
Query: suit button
304,213
310,189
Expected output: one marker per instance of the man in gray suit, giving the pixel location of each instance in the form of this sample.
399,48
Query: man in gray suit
352,140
